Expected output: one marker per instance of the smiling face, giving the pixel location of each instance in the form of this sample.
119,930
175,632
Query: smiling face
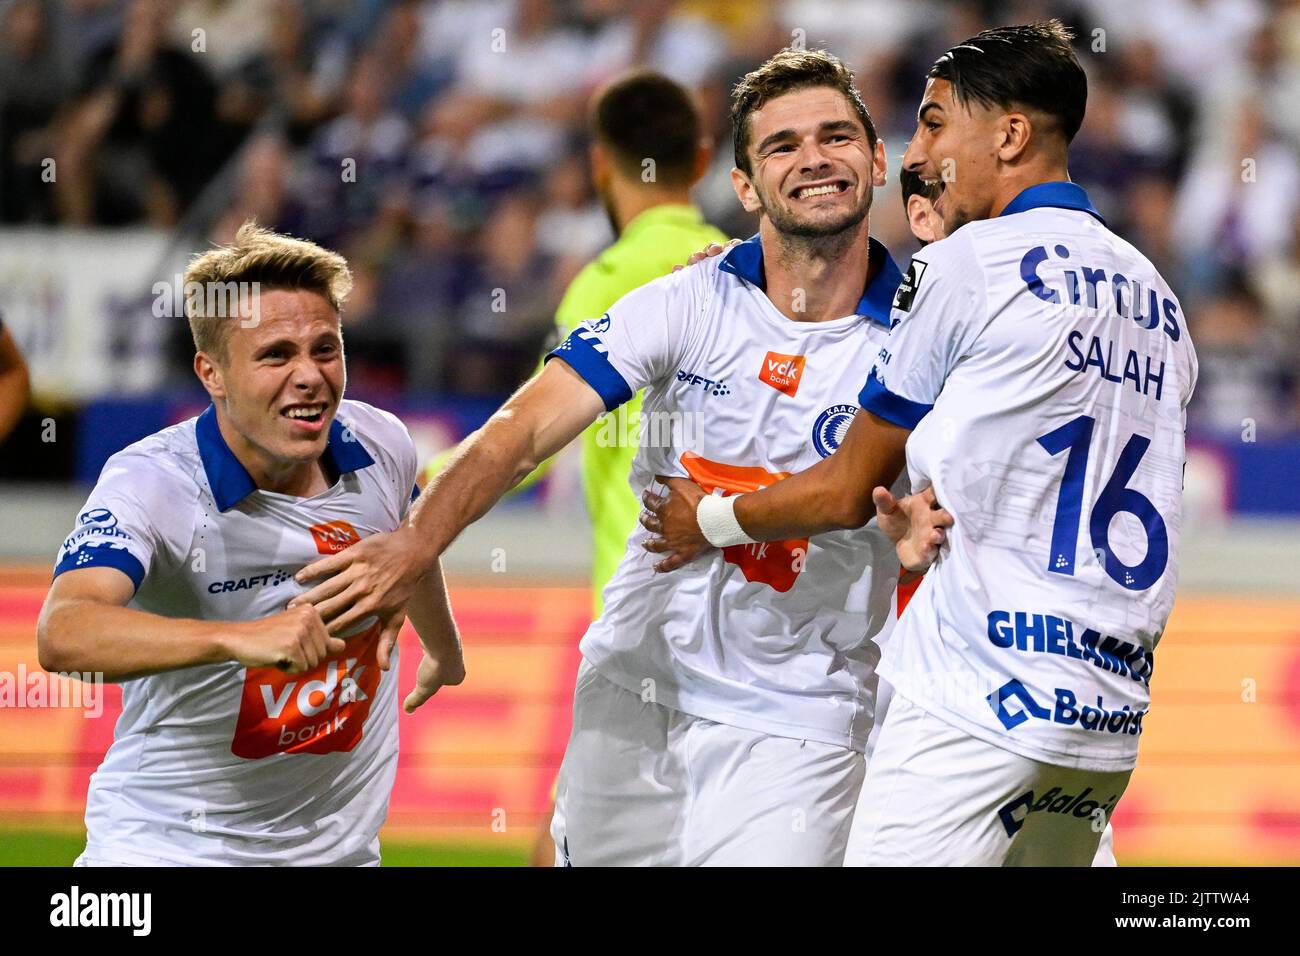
958,146
813,167
280,382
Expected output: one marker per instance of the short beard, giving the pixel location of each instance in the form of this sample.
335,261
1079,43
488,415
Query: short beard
959,219
788,224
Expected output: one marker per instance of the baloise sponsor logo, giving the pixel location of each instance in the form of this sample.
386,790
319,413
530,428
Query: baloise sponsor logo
1065,710
1083,805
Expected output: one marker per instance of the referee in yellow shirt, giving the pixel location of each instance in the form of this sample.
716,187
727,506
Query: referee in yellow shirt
648,150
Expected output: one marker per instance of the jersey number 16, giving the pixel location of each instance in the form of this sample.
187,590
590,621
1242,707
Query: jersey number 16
1075,436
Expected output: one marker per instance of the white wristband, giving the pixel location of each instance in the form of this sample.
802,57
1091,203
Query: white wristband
716,517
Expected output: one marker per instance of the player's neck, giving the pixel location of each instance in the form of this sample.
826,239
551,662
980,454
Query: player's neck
297,478
815,279
629,199
1033,174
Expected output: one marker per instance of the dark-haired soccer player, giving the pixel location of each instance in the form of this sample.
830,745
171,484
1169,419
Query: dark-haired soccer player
927,226
1037,378
720,715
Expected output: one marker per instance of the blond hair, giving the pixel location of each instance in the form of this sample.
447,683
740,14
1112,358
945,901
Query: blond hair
258,258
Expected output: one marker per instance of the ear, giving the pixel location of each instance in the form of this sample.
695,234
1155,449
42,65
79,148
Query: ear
703,158
745,191
1013,136
210,375
599,159
916,214
918,218
879,167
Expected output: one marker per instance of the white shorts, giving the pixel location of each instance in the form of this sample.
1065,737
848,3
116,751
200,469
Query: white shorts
936,796
642,784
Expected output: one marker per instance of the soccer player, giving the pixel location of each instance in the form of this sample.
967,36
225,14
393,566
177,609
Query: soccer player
15,383
927,227
719,716
248,735
1037,378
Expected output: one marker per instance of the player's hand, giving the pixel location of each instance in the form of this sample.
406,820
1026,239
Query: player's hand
294,640
445,670
708,252
375,576
916,524
390,628
671,519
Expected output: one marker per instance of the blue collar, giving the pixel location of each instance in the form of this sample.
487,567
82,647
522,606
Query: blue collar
230,481
1063,195
746,261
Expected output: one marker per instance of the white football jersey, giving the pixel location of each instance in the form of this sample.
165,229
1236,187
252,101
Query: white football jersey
222,764
1045,367
772,637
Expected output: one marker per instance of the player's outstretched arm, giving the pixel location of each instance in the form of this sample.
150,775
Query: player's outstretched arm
834,494
378,574
443,663
86,627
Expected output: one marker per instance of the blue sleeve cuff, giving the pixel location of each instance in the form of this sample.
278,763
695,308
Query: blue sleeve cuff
415,493
582,355
880,401
103,556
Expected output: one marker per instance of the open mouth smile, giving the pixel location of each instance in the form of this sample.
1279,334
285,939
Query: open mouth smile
816,190
310,416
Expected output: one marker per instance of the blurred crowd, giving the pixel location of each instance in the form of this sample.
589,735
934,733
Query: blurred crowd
441,146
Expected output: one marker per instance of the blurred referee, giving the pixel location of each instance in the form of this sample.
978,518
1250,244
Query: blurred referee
648,151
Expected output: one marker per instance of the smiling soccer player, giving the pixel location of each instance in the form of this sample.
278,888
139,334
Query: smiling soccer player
248,734
1038,375
720,716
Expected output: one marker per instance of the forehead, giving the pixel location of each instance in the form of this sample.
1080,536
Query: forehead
938,92
801,109
941,93
285,313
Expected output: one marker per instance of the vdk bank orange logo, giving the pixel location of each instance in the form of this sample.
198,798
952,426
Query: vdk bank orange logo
782,372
